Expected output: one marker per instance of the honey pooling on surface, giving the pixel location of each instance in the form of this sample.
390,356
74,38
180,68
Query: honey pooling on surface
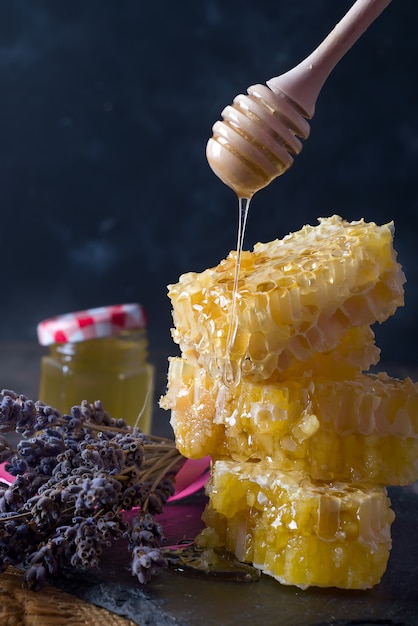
305,412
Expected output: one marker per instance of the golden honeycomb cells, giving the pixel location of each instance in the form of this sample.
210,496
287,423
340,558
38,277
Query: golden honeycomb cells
296,296
300,532
306,439
360,429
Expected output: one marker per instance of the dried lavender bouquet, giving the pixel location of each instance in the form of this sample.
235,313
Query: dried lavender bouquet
76,474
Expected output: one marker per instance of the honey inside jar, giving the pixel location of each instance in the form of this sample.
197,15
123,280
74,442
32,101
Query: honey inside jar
99,354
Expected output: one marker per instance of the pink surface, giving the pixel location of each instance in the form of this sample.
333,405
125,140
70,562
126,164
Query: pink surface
192,477
5,476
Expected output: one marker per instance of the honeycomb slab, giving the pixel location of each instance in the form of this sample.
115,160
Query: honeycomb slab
364,428
299,531
296,296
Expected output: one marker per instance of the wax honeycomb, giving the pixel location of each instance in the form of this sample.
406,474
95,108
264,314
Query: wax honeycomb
297,296
363,428
297,530
303,438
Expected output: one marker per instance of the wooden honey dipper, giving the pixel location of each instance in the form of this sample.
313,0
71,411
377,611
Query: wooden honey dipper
254,142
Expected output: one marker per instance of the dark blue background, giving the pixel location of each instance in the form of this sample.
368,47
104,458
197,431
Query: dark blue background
105,111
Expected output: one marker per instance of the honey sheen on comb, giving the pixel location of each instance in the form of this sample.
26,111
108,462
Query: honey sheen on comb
296,296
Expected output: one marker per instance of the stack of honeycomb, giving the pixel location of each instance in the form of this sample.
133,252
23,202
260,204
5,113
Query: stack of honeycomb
304,442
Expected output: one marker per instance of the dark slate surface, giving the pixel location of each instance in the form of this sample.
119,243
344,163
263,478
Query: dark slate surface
184,600
105,110
175,599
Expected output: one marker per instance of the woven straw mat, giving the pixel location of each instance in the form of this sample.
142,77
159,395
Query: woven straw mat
49,607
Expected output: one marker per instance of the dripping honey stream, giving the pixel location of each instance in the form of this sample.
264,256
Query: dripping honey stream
231,370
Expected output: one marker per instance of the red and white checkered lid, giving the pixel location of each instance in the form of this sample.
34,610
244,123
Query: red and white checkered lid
105,321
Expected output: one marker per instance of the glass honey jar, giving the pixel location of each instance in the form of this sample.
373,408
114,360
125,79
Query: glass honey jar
99,354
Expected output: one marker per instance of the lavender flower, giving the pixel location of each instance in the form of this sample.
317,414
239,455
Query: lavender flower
76,474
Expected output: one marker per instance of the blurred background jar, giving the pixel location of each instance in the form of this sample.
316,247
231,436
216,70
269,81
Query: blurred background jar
99,354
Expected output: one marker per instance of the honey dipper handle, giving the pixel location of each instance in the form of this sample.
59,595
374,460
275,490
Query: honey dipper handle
303,83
